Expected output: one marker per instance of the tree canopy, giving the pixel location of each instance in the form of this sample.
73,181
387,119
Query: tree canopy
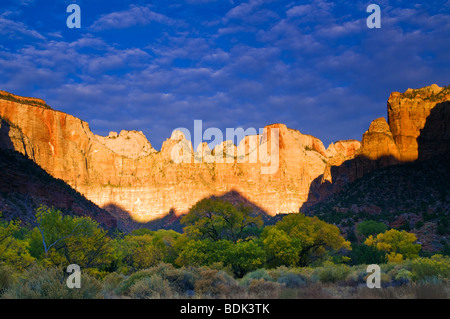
300,240
217,219
396,244
370,227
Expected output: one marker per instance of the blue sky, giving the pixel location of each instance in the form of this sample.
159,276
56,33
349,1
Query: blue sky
158,65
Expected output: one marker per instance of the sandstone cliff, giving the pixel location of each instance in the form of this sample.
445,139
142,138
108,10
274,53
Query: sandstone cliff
418,128
24,185
125,174
408,113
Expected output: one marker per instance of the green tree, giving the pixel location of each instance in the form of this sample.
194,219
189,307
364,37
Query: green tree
281,249
193,253
63,240
13,251
242,256
201,252
144,248
370,227
143,252
217,219
245,256
396,244
311,239
169,238
363,254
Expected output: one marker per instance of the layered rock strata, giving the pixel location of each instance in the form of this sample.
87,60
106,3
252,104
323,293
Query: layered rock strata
123,172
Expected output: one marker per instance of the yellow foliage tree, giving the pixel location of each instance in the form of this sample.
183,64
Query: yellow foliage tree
299,240
397,244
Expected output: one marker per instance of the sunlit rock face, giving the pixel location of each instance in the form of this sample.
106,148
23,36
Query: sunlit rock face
410,112
123,172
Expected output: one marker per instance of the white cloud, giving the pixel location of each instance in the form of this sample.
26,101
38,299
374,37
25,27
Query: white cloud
136,15
16,30
243,10
299,11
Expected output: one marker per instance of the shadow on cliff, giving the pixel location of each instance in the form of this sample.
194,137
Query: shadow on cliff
126,223
5,140
24,186
236,198
172,221
433,156
434,138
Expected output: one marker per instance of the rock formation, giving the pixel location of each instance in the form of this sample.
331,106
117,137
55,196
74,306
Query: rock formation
125,174
24,185
418,128
409,112
132,144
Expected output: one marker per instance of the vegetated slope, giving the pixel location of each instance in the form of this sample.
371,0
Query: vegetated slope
24,100
413,196
24,186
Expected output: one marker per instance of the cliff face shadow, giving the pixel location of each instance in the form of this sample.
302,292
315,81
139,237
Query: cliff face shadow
343,175
236,198
5,140
24,186
434,138
432,164
172,220
126,223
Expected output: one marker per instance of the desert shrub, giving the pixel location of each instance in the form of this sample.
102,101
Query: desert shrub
331,273
403,276
392,266
306,272
256,275
126,284
214,283
431,288
151,288
289,277
313,291
291,280
181,280
262,289
50,283
111,283
7,278
356,276
437,266
283,270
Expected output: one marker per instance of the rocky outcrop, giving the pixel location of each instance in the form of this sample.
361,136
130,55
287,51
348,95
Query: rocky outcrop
124,173
132,144
378,144
344,149
24,185
418,127
408,113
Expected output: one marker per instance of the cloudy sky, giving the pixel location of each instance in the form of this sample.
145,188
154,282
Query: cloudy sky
158,65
